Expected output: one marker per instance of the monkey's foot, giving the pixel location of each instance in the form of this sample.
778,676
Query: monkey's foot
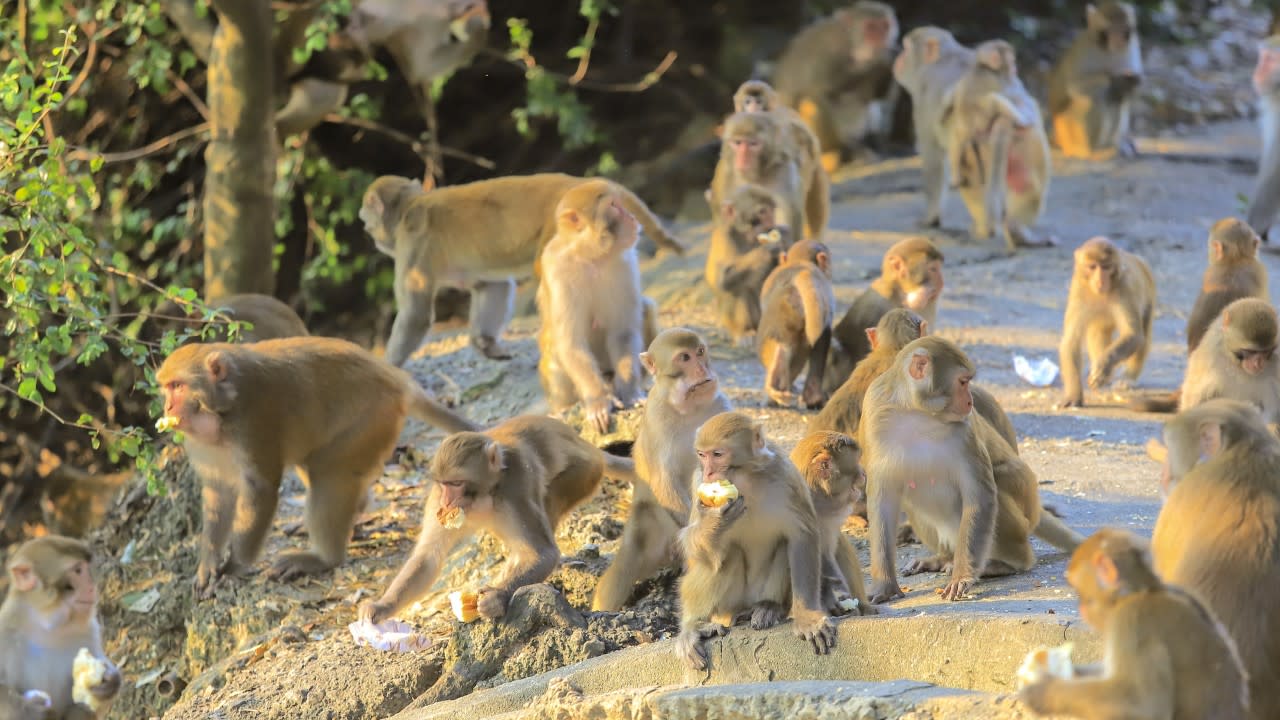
1070,402
1099,379
813,397
781,398
767,614
1016,236
935,563
930,221
492,603
817,630
957,589
292,565
998,568
690,647
490,348
374,611
882,591
906,535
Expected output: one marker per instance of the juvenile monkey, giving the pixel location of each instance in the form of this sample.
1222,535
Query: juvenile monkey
516,480
590,305
999,155
50,613
795,328
845,56
759,553
742,254
758,96
1234,272
1264,203
967,494
479,235
910,277
428,38
1092,86
324,405
1216,534
1165,654
753,149
828,461
1110,307
684,395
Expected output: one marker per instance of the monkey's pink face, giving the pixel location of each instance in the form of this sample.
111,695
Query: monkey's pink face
930,287
78,589
1264,73
961,394
874,39
1254,361
746,152
456,492
695,382
753,103
194,418
623,225
715,462
1098,272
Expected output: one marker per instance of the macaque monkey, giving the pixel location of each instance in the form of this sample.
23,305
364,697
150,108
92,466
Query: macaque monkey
479,235
320,86
1092,86
1264,203
795,329
1234,272
753,149
50,613
269,317
846,56
685,394
910,277
741,255
1165,655
1110,307
998,152
1216,534
758,96
324,405
428,38
829,463
590,305
968,495
759,554
517,480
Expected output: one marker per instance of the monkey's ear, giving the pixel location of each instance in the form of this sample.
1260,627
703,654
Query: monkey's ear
24,577
1226,318
782,258
572,218
1210,439
757,437
1104,569
1216,251
924,327
428,182
918,366
374,203
650,367
896,264
824,262
218,365
873,338
932,50
493,454
726,207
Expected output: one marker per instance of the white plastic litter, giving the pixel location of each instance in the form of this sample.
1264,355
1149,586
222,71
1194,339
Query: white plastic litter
38,697
388,635
1040,373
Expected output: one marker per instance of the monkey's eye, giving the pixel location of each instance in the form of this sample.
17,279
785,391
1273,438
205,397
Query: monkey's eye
1102,38
685,357
717,453
702,351
65,586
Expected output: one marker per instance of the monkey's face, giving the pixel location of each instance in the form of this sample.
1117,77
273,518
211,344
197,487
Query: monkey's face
1265,78
752,100
716,460
1116,39
1098,268
924,280
1253,360
470,18
960,396
196,387
67,594
620,224
873,37
746,149
693,380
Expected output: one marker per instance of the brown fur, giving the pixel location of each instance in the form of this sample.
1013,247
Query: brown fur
1234,272
754,149
740,256
798,305
1093,85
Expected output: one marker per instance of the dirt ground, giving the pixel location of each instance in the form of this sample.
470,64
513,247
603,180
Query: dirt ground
266,650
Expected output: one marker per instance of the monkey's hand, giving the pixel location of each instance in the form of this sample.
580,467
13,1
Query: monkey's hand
724,515
490,347
492,603
598,409
689,645
374,611
881,591
1071,401
1100,377
1121,86
816,629
110,684
206,580
957,588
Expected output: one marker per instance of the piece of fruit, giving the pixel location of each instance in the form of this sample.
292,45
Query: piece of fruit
167,423
463,603
1046,662
451,518
715,494
87,672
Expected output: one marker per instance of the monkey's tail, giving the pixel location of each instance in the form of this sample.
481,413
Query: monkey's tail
818,307
428,410
619,467
1166,403
1056,533
652,226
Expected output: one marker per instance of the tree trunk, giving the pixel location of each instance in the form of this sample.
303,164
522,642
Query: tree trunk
239,208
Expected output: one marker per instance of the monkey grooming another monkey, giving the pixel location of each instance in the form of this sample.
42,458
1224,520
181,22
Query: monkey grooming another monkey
795,328
517,480
1093,85
741,255
760,553
590,305
843,60
758,96
910,277
1264,202
685,394
753,149
967,494
50,613
479,235
1110,307
1216,534
324,405
1165,654
828,461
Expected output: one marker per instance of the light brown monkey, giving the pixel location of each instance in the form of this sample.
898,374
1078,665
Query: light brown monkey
753,149
1216,534
247,412
798,305
999,155
1092,86
1264,203
829,463
1165,654
50,613
1110,307
759,553
1234,272
479,235
590,305
270,318
742,254
910,277
842,59
428,38
684,395
967,494
758,96
517,480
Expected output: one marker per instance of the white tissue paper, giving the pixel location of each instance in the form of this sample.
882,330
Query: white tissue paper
388,635
1041,373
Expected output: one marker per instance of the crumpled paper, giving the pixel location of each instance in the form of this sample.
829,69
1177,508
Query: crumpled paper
388,635
1041,373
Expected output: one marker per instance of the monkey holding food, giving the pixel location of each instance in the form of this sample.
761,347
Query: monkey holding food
746,242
